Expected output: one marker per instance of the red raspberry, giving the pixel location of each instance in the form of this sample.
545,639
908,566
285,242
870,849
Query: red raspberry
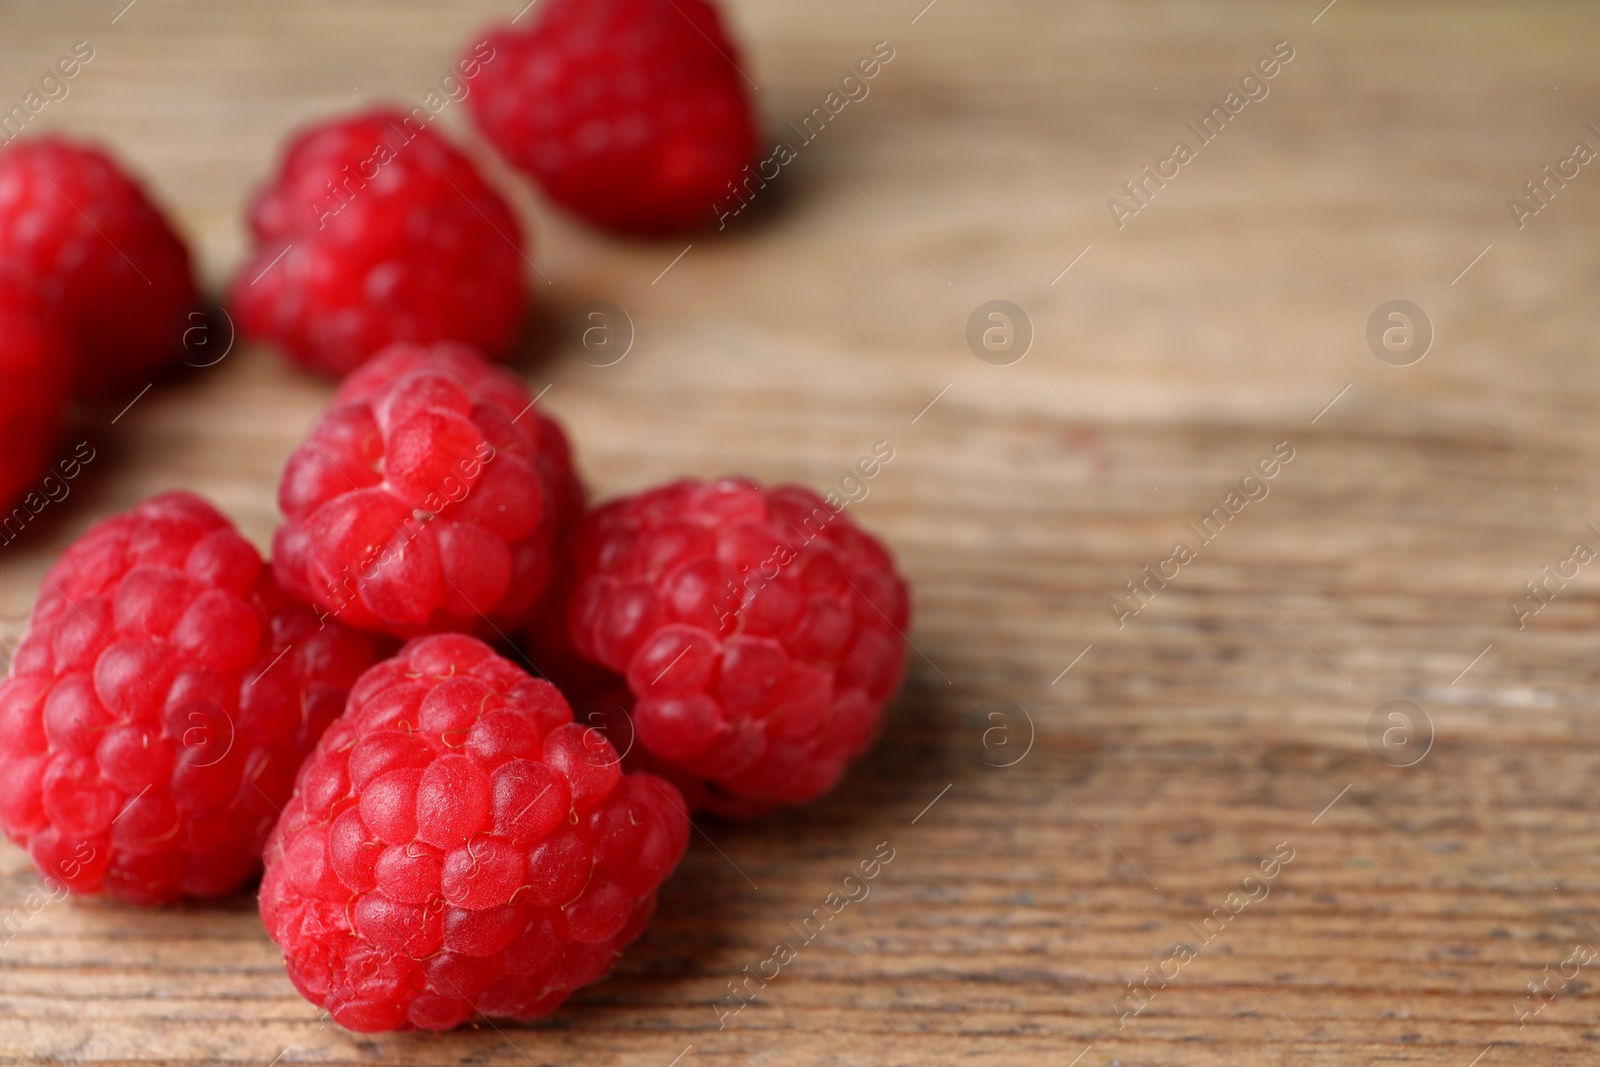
631,113
387,233
102,253
759,631
35,379
429,497
159,705
457,844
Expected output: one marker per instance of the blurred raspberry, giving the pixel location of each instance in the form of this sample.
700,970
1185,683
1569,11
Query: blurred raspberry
159,705
429,497
376,229
759,633
35,380
457,845
99,251
631,113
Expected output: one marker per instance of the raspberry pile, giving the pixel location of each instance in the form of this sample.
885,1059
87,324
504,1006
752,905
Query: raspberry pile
102,255
630,113
376,230
159,705
759,634
458,845
429,497
439,838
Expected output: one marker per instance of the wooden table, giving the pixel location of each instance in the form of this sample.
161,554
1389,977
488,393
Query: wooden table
1228,719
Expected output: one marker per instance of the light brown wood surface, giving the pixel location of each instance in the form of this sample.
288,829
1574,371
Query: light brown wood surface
1178,751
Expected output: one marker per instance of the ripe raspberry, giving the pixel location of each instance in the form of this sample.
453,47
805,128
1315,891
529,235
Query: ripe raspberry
429,497
159,705
101,253
35,378
759,632
631,113
387,233
457,844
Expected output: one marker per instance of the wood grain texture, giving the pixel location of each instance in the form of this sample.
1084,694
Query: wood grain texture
1180,750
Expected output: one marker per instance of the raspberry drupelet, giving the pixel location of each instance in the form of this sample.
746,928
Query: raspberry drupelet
630,113
760,634
431,496
457,845
36,372
376,229
102,254
159,705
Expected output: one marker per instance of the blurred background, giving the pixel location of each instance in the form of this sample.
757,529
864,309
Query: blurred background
1079,770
